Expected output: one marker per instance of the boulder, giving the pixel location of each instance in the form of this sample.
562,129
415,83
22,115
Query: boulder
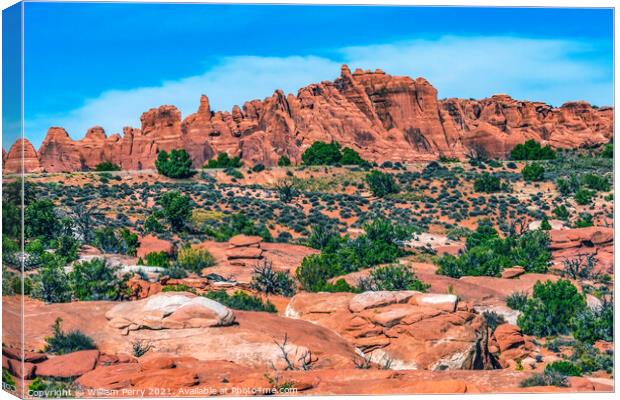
244,240
68,365
170,310
512,272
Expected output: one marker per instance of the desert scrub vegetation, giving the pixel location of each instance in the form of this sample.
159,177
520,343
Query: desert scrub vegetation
378,245
392,277
224,161
487,183
533,172
106,166
517,300
552,309
155,259
176,208
266,280
321,153
565,368
121,241
176,165
223,228
194,260
67,342
551,378
284,161
241,301
488,254
532,150
95,280
381,184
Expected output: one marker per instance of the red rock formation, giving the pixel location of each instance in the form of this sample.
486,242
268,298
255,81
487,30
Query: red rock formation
21,149
381,116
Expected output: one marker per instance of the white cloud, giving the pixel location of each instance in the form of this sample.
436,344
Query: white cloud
554,71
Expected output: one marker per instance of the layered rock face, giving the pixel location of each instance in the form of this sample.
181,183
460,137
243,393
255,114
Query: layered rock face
22,149
406,329
383,117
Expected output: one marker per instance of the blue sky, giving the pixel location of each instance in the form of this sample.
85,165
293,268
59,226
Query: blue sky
104,64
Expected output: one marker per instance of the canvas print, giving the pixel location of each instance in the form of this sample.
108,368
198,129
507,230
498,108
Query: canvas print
243,199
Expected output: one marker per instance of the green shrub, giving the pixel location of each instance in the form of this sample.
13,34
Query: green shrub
487,254
51,284
323,238
561,212
378,245
8,380
351,157
608,151
585,220
268,281
95,280
40,220
67,342
533,172
258,168
567,186
223,161
321,153
493,319
284,161
551,378
241,301
194,260
122,241
392,277
67,247
176,165
316,269
381,184
107,166
286,191
595,182
177,208
517,300
565,368
234,173
156,259
152,224
235,224
590,325
583,197
551,309
544,224
487,183
589,359
532,150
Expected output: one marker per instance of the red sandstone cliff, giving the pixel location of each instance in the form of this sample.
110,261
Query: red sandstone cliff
381,116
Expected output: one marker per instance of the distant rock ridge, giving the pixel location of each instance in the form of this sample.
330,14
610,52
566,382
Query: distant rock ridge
383,117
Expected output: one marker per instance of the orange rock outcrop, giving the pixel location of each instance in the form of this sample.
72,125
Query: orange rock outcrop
383,117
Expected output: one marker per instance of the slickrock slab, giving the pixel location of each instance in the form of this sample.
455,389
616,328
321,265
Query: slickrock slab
152,244
414,330
68,365
244,253
244,240
512,272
